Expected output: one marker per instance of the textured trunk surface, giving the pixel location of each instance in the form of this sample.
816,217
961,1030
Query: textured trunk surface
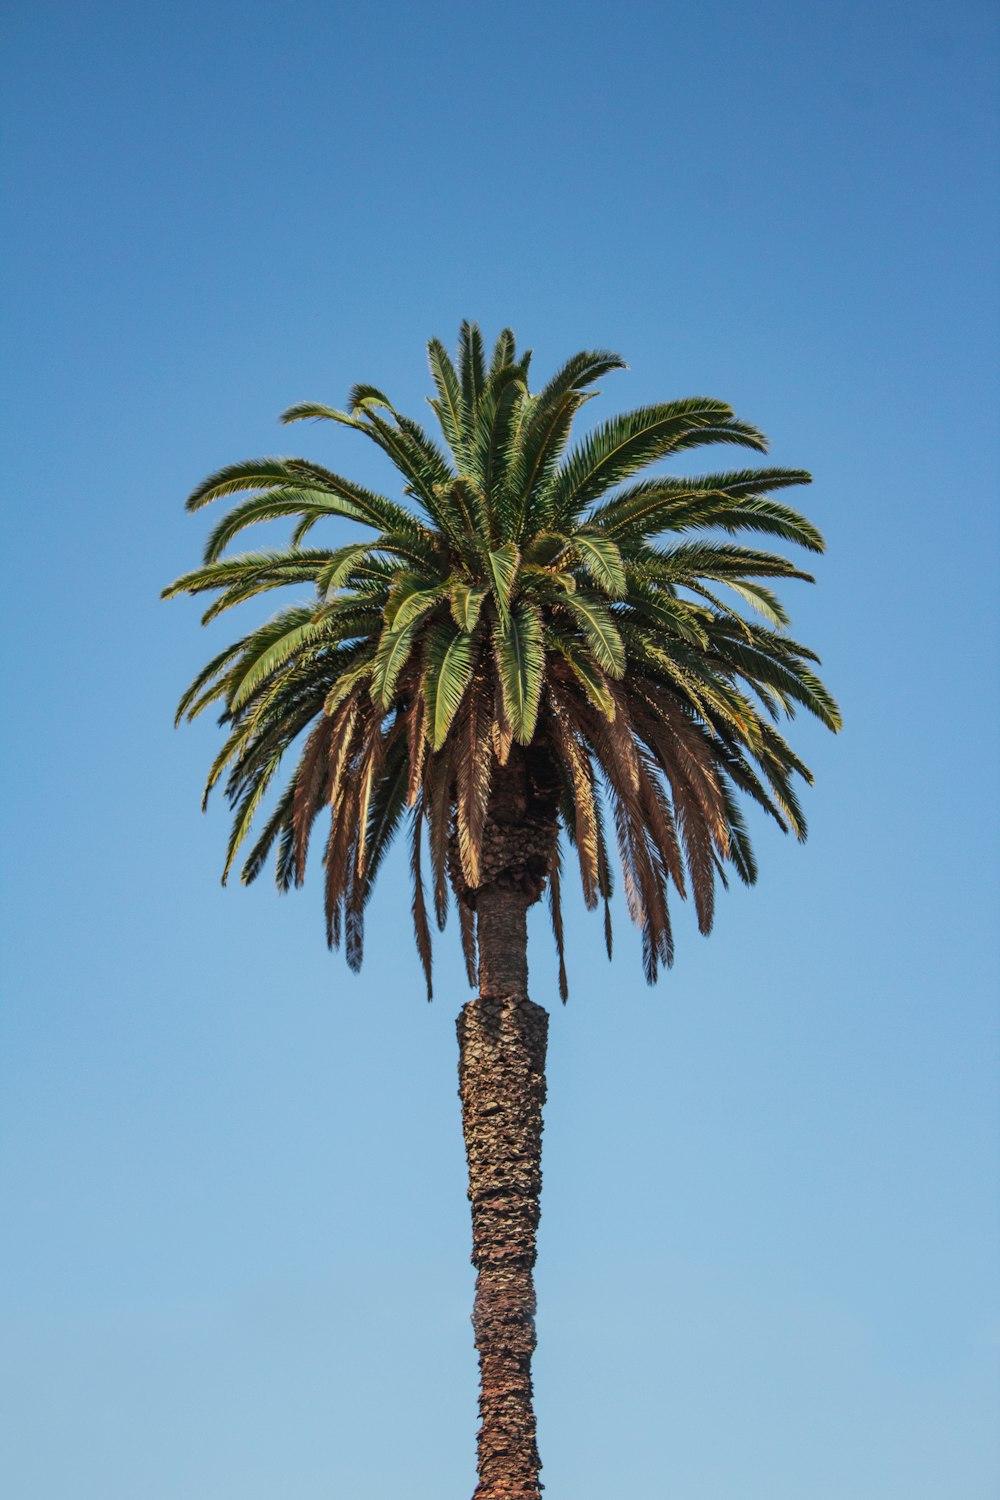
501,1038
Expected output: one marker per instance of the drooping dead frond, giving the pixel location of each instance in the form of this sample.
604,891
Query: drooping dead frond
416,745
308,791
555,912
473,777
578,776
437,805
467,922
421,927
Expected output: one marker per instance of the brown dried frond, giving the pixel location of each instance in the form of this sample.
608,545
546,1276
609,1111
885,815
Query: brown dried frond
336,861
633,885
555,912
695,818
578,778
416,715
467,926
342,736
421,927
612,744
660,821
369,768
341,791
681,747
660,936
653,877
604,878
309,789
437,805
685,756
473,776
501,731
698,850
696,761
645,885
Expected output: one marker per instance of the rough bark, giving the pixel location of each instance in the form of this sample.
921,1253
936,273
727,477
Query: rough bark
502,1088
502,1039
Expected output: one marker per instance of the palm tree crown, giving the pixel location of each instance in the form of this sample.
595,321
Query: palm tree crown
535,640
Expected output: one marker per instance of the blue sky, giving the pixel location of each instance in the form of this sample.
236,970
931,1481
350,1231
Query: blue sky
236,1253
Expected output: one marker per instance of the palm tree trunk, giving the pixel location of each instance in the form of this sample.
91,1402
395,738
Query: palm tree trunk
501,1039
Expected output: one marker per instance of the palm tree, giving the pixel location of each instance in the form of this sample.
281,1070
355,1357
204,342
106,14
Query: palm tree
534,644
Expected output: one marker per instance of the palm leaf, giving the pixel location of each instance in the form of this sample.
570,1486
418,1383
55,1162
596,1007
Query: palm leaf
204,677
503,564
449,657
234,479
390,658
472,371
590,677
448,405
466,602
621,447
603,561
599,631
520,660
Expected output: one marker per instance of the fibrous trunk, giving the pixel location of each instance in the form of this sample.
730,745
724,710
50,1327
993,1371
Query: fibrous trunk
502,1038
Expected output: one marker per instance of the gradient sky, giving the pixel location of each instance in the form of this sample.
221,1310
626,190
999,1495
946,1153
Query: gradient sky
235,1260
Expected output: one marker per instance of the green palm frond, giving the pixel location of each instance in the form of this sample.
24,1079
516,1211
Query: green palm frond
520,658
504,353
466,603
494,425
391,656
734,501
448,405
503,563
599,632
626,444
274,505
235,479
472,371
603,561
449,658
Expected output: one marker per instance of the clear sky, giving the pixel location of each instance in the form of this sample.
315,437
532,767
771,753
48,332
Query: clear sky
236,1243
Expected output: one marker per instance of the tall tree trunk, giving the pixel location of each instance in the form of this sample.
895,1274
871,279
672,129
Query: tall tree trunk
501,1039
